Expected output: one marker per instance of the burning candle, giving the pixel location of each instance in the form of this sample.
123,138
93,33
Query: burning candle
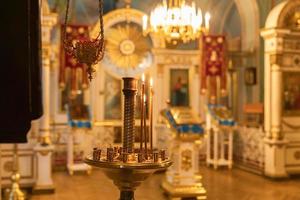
151,113
142,111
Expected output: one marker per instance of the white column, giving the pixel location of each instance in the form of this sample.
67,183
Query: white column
276,104
267,103
43,150
275,145
45,120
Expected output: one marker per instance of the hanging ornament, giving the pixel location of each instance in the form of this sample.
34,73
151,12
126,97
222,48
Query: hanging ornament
71,71
86,51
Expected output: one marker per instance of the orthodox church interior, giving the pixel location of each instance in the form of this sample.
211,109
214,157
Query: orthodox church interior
150,100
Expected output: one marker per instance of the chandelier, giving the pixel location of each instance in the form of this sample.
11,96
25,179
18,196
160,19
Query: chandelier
176,20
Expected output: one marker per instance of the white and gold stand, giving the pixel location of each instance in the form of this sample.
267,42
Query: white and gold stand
72,167
219,144
183,179
44,182
220,130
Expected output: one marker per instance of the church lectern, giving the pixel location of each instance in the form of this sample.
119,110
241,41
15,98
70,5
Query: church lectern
219,128
78,118
183,179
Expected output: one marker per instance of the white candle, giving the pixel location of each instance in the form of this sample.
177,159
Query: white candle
207,20
145,23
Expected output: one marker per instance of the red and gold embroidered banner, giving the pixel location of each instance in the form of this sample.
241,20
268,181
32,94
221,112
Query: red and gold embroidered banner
214,63
77,73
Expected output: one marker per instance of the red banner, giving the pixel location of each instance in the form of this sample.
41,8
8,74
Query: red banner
214,62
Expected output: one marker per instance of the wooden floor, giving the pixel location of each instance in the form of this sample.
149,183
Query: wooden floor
220,185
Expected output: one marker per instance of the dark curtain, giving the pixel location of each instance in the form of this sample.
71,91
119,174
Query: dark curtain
20,70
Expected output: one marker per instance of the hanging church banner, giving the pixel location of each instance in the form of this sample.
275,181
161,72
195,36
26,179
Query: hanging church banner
71,72
213,70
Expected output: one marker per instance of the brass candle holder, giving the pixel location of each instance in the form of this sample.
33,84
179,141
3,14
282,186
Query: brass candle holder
15,193
127,166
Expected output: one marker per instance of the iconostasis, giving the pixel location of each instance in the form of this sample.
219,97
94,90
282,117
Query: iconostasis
175,73
130,53
175,70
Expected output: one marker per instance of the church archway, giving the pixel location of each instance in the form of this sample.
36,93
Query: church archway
249,14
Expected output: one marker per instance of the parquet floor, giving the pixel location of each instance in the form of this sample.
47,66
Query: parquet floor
220,185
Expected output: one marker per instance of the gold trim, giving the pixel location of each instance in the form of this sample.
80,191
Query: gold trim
44,130
120,165
44,152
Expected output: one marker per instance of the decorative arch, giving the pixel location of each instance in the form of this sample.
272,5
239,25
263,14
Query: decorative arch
117,16
249,13
283,15
249,16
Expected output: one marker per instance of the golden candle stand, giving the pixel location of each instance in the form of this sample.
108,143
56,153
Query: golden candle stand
126,166
127,176
15,193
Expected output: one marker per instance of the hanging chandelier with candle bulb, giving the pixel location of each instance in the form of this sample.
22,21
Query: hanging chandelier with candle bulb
176,20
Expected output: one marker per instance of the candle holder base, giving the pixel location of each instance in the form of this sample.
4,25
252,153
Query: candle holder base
128,176
15,193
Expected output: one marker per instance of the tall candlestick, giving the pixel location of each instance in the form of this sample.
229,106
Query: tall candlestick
142,111
145,126
151,114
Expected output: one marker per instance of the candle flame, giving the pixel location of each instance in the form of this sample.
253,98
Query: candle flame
145,97
151,82
143,77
